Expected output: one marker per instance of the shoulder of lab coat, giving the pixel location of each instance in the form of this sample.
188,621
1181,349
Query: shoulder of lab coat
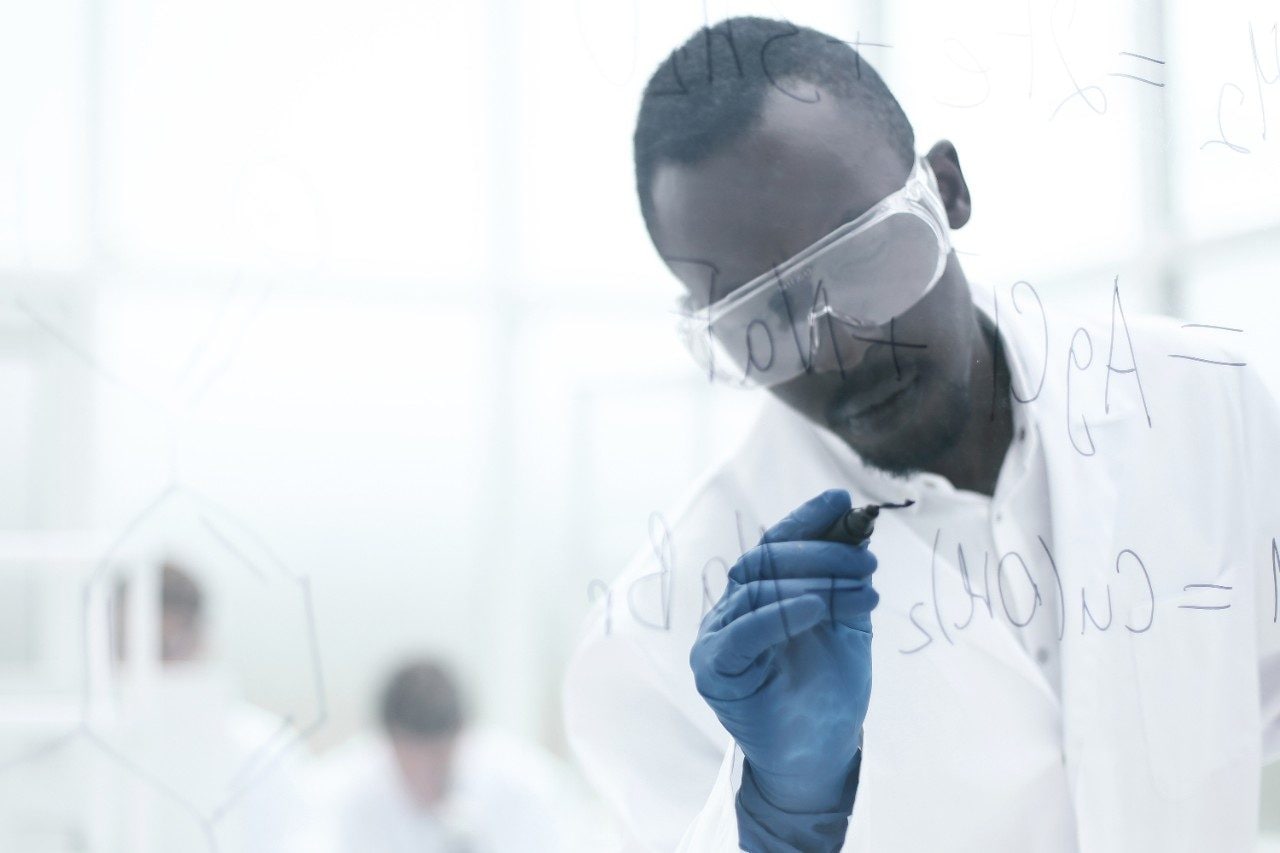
351,764
492,756
511,793
271,809
518,791
351,791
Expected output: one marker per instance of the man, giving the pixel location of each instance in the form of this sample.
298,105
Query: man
1074,624
435,784
182,617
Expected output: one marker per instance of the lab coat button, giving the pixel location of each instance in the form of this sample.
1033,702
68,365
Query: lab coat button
1042,655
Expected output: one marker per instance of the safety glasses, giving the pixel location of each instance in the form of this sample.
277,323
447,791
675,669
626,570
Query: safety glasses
863,274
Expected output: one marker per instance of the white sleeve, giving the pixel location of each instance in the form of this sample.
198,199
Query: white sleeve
716,826
658,772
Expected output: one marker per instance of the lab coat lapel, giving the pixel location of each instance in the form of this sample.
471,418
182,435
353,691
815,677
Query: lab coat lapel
1077,429
1083,453
1082,500
1073,420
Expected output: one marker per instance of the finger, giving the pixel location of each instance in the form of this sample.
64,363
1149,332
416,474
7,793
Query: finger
803,560
848,602
720,613
744,639
811,519
715,685
752,596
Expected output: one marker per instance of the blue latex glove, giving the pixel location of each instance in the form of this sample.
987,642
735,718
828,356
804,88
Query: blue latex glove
784,660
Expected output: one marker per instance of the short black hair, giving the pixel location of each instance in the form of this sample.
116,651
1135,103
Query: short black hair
711,90
422,699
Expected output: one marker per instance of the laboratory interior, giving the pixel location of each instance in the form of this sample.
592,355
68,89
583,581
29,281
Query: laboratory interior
342,380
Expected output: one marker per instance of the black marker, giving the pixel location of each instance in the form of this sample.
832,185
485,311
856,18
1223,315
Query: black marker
856,525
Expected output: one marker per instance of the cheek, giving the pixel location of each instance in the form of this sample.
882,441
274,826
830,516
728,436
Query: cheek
939,323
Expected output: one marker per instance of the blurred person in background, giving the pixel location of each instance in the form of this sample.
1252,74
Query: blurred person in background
432,782
182,618
198,740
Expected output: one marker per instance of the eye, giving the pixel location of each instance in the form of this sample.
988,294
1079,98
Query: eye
784,300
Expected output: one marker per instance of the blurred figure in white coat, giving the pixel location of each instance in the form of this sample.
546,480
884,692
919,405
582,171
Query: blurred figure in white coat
430,782
192,737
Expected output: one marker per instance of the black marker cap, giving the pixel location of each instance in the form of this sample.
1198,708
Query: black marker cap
857,525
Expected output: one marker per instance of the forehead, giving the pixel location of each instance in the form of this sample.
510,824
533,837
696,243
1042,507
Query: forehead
798,173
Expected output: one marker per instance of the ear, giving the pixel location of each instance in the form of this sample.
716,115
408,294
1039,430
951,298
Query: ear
945,163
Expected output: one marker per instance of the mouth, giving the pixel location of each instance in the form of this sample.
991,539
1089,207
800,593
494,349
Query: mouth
868,409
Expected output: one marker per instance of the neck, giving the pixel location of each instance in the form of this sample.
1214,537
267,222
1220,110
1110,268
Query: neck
974,462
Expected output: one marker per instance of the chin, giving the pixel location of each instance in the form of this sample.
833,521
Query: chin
916,437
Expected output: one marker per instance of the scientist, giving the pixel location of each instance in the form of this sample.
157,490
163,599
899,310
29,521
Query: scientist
433,783
1075,640
192,733
182,625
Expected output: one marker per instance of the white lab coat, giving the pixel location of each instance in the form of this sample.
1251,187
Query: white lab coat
184,759
1158,739
507,795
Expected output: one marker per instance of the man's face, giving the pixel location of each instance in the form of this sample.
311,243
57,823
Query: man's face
181,637
803,170
181,633
425,765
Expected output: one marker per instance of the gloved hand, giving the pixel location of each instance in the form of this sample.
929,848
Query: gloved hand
784,660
